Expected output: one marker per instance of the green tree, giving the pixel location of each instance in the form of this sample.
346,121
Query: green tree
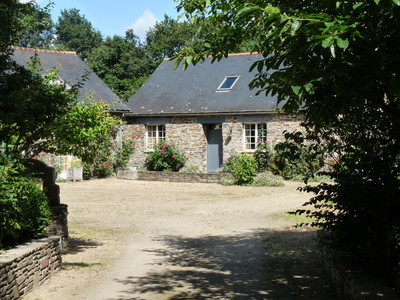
338,64
122,63
168,37
37,37
75,32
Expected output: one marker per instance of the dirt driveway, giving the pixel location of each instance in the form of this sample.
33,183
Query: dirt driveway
155,240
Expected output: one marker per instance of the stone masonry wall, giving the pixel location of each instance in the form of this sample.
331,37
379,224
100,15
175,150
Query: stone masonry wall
138,132
279,123
190,137
180,177
234,143
27,266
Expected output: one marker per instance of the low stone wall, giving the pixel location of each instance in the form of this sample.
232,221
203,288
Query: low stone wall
27,266
59,223
352,285
180,177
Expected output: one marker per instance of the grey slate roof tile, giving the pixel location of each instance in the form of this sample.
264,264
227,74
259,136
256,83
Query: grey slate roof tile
194,90
71,70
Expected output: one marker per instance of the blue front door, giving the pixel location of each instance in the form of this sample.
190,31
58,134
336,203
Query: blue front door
214,147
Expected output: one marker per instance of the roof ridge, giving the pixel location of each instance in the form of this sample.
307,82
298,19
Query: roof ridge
230,54
244,53
43,50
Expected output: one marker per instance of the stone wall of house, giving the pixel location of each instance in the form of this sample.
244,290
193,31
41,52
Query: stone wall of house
279,123
28,266
190,137
233,132
138,133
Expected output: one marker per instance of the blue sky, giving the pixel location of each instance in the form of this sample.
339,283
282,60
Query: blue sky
115,17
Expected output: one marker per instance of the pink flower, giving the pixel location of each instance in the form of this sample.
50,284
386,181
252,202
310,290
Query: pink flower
34,158
162,152
102,165
164,147
165,144
266,142
42,153
172,156
187,158
259,142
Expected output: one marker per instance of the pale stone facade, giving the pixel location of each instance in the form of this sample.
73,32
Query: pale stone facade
190,136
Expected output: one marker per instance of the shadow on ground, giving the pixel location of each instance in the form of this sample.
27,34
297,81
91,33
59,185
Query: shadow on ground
257,265
76,245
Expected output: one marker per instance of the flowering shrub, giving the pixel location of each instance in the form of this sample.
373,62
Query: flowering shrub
165,157
263,155
103,169
296,160
123,154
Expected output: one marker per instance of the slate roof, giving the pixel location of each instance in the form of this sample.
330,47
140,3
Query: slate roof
71,70
193,91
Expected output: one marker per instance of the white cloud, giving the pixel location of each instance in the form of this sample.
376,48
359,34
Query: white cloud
143,23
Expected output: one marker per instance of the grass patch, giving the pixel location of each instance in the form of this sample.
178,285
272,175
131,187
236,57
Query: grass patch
296,219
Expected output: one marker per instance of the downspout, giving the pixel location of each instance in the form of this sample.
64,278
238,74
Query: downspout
121,131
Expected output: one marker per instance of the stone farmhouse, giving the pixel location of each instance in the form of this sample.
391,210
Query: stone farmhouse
207,110
72,70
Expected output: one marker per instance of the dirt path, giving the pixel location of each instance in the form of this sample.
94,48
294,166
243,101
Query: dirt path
154,240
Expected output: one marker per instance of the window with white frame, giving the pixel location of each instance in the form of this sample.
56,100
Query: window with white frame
154,134
254,133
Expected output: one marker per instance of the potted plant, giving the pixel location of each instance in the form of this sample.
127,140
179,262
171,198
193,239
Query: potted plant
75,171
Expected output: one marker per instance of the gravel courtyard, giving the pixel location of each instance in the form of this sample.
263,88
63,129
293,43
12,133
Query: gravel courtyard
159,240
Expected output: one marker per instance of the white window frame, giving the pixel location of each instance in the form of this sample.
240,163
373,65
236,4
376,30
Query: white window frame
220,89
159,134
247,146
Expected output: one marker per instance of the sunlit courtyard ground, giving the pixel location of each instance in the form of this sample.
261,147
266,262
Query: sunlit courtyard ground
158,240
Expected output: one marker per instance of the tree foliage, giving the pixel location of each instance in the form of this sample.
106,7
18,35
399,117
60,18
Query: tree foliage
39,36
338,64
75,32
83,130
122,63
166,38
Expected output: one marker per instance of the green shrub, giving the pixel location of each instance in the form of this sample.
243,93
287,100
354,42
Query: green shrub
24,208
227,167
244,169
123,155
165,157
267,179
263,156
103,167
296,160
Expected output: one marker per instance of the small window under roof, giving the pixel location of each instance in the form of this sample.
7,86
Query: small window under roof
228,83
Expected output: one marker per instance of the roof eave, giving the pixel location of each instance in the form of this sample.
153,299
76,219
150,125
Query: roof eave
208,113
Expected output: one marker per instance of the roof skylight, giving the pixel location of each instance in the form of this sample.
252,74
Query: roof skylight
227,83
